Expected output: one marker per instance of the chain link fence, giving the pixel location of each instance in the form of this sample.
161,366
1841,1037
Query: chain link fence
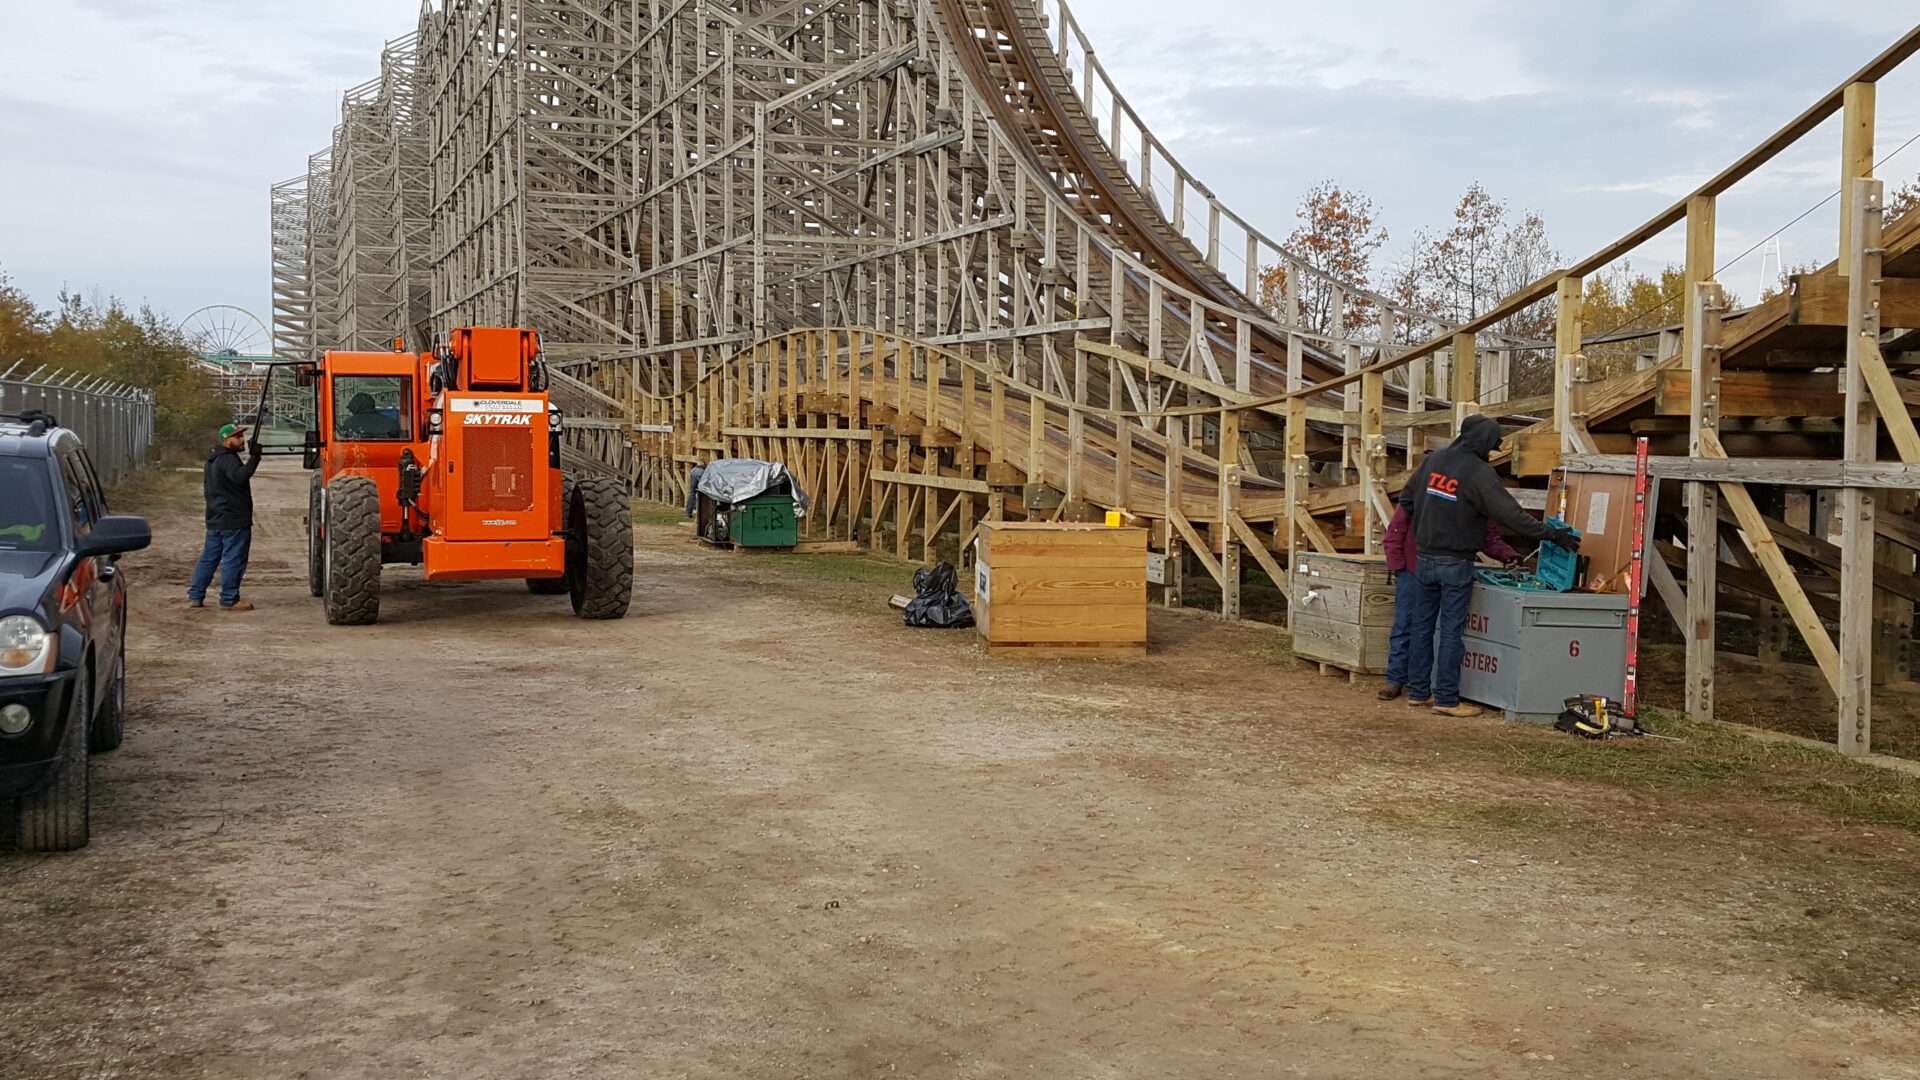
114,419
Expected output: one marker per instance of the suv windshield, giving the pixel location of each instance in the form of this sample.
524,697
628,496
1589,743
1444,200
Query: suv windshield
26,506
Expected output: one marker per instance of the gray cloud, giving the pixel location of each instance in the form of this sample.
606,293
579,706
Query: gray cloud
152,147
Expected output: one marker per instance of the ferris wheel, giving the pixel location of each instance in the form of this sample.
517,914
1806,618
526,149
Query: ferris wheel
226,331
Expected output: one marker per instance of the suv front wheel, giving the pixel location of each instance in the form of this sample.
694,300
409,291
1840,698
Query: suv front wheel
55,817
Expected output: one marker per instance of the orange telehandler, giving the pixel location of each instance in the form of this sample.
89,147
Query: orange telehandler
448,459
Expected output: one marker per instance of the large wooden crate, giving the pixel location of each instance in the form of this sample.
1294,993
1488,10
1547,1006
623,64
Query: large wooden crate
1047,590
1342,611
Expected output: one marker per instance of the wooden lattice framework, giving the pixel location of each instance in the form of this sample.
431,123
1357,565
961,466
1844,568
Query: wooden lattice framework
927,254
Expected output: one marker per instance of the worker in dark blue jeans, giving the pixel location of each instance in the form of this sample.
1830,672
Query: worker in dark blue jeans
1403,558
1449,502
228,484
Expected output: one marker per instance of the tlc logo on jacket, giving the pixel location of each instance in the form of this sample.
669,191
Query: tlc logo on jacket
1443,486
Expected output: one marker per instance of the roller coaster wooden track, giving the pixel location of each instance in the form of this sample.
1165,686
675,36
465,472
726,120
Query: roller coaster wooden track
926,253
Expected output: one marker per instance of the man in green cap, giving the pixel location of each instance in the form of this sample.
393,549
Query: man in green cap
229,491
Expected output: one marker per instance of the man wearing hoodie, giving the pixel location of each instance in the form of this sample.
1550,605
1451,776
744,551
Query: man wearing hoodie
1449,502
228,483
1403,558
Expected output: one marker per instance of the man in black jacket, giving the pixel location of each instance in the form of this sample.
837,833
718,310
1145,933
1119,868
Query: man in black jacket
229,491
1449,502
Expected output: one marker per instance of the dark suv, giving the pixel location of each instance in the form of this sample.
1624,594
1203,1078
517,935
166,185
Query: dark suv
63,621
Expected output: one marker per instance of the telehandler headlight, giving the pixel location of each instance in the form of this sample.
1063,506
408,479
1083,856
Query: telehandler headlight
435,421
553,420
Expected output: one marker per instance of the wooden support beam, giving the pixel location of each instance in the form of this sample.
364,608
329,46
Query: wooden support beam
1671,595
1706,303
1791,472
1826,555
841,434
1299,486
1199,545
930,480
1857,108
1466,379
1315,535
1258,549
1822,300
1569,367
1701,212
1229,543
1373,460
1755,393
1854,507
1174,572
1887,398
1766,550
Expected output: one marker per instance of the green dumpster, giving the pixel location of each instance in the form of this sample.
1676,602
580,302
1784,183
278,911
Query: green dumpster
764,521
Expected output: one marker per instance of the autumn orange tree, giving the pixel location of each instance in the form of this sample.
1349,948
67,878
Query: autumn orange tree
1338,235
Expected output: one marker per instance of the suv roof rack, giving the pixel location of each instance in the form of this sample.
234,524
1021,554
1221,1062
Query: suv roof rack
37,420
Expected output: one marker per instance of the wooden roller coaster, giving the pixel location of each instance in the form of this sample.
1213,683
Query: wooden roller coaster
926,254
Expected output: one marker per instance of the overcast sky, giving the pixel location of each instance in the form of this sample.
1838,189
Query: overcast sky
142,135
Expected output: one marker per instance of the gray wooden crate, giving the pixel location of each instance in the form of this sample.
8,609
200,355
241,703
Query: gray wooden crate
1342,611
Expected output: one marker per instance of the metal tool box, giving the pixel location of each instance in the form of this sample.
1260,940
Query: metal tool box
1528,651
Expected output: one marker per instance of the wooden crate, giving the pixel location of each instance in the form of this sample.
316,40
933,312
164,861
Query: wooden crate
1045,589
1342,611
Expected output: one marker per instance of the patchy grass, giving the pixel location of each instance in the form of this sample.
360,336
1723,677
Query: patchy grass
155,486
854,568
1271,650
648,512
1719,759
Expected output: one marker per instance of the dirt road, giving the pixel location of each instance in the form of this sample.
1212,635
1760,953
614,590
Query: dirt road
759,830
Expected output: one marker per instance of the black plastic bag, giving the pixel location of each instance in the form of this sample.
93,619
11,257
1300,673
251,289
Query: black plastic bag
937,605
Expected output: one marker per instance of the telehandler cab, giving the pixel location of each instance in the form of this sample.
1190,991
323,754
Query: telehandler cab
448,459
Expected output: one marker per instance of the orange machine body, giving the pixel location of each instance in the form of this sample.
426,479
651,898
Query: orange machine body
463,449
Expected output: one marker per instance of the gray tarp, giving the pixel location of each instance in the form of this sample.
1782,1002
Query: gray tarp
735,480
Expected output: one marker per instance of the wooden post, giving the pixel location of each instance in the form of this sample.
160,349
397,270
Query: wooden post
1856,160
1373,460
1700,241
1036,438
1174,570
1855,506
1706,304
1229,544
1569,367
1466,379
1298,476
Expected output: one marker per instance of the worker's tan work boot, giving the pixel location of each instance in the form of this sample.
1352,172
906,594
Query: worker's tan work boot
240,606
1419,702
1465,711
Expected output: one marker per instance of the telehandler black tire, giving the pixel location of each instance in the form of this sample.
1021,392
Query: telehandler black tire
600,548
352,513
555,586
316,552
